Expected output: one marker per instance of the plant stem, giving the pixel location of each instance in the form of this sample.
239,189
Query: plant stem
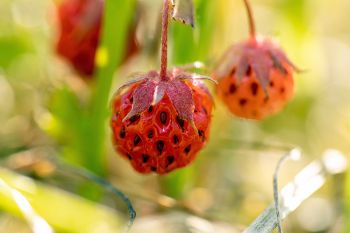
250,18
164,55
118,14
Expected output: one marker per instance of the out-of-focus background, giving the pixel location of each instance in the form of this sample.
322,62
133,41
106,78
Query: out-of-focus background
46,104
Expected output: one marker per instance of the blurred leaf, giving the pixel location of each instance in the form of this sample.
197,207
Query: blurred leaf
184,11
11,48
69,119
75,216
294,11
117,17
190,44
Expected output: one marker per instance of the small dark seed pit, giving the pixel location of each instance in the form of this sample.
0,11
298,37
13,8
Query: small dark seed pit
254,88
145,158
153,169
122,132
249,71
176,139
137,140
150,109
180,122
243,102
187,149
135,118
150,134
163,116
160,146
233,88
200,133
170,159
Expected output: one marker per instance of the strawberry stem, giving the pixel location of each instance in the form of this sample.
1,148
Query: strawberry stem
250,18
164,54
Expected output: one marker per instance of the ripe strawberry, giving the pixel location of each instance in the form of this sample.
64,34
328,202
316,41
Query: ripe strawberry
80,26
153,122
255,77
162,119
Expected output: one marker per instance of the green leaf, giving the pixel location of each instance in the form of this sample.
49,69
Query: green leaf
11,48
188,44
117,17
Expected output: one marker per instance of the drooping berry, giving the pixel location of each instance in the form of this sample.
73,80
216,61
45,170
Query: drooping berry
79,33
162,119
255,77
161,125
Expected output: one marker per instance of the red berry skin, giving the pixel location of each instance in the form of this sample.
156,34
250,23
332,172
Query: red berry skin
80,25
79,34
157,140
259,80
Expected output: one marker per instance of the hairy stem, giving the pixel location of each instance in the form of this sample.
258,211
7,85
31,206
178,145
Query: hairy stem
250,18
164,55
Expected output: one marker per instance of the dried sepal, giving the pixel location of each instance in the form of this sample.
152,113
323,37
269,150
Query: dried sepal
142,98
183,11
159,92
151,90
137,78
279,56
193,76
242,67
228,62
261,66
180,95
277,63
259,56
181,75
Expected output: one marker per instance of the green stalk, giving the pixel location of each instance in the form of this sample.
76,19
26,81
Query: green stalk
118,15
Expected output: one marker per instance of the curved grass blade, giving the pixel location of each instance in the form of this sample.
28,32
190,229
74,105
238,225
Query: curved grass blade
305,184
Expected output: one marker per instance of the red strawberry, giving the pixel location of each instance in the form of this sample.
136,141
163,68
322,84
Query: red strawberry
80,27
255,77
162,119
153,122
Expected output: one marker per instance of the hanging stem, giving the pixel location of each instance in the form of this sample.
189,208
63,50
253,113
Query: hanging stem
250,18
164,55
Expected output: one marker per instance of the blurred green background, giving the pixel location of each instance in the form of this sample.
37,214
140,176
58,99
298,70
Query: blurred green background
43,102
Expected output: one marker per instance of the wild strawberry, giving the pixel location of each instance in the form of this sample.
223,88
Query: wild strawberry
153,122
162,119
80,26
255,77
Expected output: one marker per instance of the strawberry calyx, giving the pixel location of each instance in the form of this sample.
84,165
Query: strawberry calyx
259,55
151,89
